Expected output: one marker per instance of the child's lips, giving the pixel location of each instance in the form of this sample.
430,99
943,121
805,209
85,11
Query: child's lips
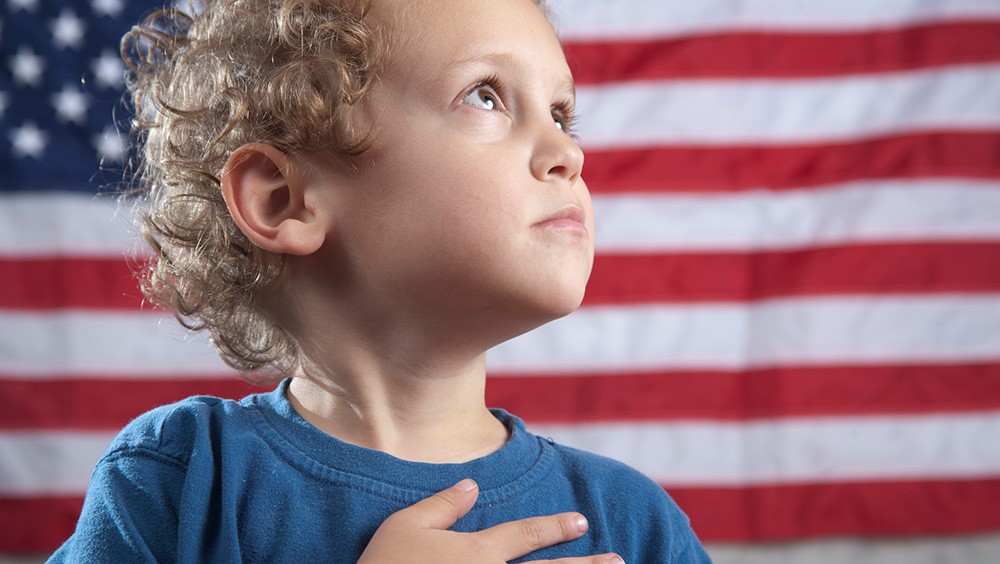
569,218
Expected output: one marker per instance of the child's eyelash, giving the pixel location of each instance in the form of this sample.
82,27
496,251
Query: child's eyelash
493,81
566,114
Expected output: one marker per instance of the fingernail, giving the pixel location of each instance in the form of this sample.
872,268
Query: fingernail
581,523
466,485
615,559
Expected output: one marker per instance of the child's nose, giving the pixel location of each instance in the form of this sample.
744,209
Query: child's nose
556,157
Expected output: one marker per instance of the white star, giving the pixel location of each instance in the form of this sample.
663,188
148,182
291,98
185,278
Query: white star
28,141
190,7
109,144
71,105
27,67
108,70
4,102
26,5
107,7
67,30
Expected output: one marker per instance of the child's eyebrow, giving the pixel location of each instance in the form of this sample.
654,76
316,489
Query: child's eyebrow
502,59
568,85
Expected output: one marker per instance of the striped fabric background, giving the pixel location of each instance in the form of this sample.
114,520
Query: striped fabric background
794,318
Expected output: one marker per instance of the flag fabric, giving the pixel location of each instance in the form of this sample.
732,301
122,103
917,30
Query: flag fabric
793,322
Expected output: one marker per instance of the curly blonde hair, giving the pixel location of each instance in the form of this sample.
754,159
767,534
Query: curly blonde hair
204,82
283,72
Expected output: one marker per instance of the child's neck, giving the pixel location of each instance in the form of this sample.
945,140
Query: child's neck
405,379
418,413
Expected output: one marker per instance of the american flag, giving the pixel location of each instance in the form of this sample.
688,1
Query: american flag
794,318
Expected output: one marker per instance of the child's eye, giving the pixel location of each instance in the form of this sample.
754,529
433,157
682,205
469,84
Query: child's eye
483,96
565,119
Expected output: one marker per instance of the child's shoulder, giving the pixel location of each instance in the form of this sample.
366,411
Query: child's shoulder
173,431
644,519
600,469
593,471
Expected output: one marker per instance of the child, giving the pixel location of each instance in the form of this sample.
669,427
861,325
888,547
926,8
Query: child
363,200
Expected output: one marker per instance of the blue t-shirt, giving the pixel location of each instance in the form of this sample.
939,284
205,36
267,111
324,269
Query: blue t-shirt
212,480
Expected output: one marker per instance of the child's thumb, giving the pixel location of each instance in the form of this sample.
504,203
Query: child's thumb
441,510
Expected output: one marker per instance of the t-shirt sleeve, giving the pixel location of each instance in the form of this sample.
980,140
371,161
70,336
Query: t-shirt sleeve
675,542
130,513
630,513
130,510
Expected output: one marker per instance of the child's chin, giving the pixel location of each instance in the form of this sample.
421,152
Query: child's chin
565,302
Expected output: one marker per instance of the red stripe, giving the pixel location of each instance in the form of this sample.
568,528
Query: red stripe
864,269
37,524
108,404
784,55
738,514
730,168
106,284
755,394
66,282
867,509
101,404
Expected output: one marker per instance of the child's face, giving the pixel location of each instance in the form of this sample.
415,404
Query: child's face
471,199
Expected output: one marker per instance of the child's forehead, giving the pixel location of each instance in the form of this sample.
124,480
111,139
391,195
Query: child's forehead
452,32
417,20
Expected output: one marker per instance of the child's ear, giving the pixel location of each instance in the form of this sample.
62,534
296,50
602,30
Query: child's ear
268,199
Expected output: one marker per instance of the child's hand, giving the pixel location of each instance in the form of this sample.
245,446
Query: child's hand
419,534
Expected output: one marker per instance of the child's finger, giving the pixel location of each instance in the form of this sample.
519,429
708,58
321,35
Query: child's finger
441,510
517,538
596,559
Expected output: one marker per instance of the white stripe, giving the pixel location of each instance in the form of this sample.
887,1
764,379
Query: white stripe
857,212
786,332
46,463
131,345
59,223
603,19
967,549
796,450
676,453
788,111
812,331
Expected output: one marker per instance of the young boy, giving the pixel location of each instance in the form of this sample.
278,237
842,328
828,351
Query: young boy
365,200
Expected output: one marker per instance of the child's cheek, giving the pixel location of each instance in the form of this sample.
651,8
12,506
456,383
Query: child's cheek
481,126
